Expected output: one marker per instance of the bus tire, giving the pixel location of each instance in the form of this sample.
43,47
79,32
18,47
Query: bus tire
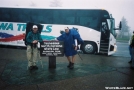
89,48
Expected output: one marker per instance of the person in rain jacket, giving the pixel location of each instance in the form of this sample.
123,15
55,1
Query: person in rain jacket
70,47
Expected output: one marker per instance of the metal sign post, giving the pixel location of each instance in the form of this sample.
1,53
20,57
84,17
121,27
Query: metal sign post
52,62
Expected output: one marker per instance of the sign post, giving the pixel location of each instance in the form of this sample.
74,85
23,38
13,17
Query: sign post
52,61
52,49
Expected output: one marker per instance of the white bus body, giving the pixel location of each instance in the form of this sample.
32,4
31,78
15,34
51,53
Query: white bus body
94,40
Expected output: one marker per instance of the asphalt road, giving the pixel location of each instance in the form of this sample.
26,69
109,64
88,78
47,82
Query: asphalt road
122,50
94,72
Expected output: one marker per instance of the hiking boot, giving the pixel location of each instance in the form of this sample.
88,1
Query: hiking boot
35,67
130,61
69,64
30,68
72,66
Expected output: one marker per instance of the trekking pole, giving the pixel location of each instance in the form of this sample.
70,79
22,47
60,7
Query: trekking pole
79,51
40,58
80,56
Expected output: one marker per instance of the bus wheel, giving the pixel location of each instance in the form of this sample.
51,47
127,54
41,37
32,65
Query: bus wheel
89,47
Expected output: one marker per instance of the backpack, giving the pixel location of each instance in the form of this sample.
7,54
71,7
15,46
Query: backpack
76,34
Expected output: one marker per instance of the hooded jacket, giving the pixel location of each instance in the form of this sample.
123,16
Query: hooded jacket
69,41
33,36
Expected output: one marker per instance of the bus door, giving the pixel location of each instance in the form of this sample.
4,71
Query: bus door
105,35
112,36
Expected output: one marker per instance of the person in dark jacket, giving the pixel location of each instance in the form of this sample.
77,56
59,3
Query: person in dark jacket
32,40
70,47
132,47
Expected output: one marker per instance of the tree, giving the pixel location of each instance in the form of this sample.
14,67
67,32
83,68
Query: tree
32,4
16,5
55,3
125,28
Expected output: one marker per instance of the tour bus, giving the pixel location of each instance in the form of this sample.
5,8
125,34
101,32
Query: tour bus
95,26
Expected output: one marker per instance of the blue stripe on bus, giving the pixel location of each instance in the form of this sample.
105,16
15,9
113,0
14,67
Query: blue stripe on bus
5,35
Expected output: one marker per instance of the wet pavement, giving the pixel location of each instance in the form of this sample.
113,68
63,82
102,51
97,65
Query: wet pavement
122,49
16,72
94,72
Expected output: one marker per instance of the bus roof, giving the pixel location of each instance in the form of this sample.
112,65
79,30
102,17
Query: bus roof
49,7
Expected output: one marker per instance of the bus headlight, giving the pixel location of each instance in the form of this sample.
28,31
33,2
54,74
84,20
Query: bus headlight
115,48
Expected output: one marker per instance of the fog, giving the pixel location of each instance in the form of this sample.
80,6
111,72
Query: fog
118,8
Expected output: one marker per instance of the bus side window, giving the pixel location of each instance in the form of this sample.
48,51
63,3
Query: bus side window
104,27
43,16
65,17
88,19
88,24
70,20
57,17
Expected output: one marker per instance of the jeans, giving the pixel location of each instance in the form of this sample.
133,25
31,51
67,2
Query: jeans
130,51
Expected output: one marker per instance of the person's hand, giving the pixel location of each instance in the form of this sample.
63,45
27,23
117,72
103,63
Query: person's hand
35,41
75,48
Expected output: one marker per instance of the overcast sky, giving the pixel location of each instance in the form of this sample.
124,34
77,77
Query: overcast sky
118,8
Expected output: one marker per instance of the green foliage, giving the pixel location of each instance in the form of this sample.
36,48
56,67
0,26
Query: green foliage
125,30
123,39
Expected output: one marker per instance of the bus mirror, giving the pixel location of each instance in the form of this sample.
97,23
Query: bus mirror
120,25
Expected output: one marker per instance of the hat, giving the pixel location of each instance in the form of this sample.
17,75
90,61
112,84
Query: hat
35,26
66,28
